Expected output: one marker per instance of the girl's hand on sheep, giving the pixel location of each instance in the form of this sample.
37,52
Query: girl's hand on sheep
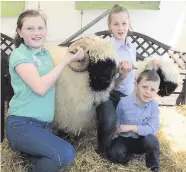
125,68
79,55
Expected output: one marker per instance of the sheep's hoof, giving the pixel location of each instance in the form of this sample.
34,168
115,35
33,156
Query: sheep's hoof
71,138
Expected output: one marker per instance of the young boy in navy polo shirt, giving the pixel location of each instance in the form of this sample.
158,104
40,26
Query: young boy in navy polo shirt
137,123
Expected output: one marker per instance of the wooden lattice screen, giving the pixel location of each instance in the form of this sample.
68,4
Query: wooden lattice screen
6,44
7,47
6,90
147,46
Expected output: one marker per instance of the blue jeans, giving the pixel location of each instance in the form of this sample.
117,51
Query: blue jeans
35,138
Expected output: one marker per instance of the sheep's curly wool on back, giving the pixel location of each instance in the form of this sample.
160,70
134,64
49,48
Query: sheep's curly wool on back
92,44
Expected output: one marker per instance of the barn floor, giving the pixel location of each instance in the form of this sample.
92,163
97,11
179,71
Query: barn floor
172,136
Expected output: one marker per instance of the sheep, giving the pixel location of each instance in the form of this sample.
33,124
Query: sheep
169,74
83,85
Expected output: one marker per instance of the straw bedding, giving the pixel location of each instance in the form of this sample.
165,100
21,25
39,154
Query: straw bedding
172,136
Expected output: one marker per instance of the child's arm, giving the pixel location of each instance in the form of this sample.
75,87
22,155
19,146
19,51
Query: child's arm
41,84
143,130
124,70
119,110
126,128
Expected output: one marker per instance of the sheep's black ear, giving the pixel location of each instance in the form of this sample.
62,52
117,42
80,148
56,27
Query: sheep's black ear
166,87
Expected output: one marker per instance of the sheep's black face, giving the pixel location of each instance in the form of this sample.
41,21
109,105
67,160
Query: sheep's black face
166,87
101,74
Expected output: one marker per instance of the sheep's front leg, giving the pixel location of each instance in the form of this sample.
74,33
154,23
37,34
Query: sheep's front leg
71,138
107,118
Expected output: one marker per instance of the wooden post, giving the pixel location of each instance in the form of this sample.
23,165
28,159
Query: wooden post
85,27
184,87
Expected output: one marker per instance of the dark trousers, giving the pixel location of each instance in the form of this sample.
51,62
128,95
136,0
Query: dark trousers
121,149
107,119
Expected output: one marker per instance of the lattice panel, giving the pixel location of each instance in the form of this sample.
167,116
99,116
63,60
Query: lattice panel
6,44
147,46
178,58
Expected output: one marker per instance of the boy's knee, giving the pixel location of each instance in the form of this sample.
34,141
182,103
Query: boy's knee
151,142
116,154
